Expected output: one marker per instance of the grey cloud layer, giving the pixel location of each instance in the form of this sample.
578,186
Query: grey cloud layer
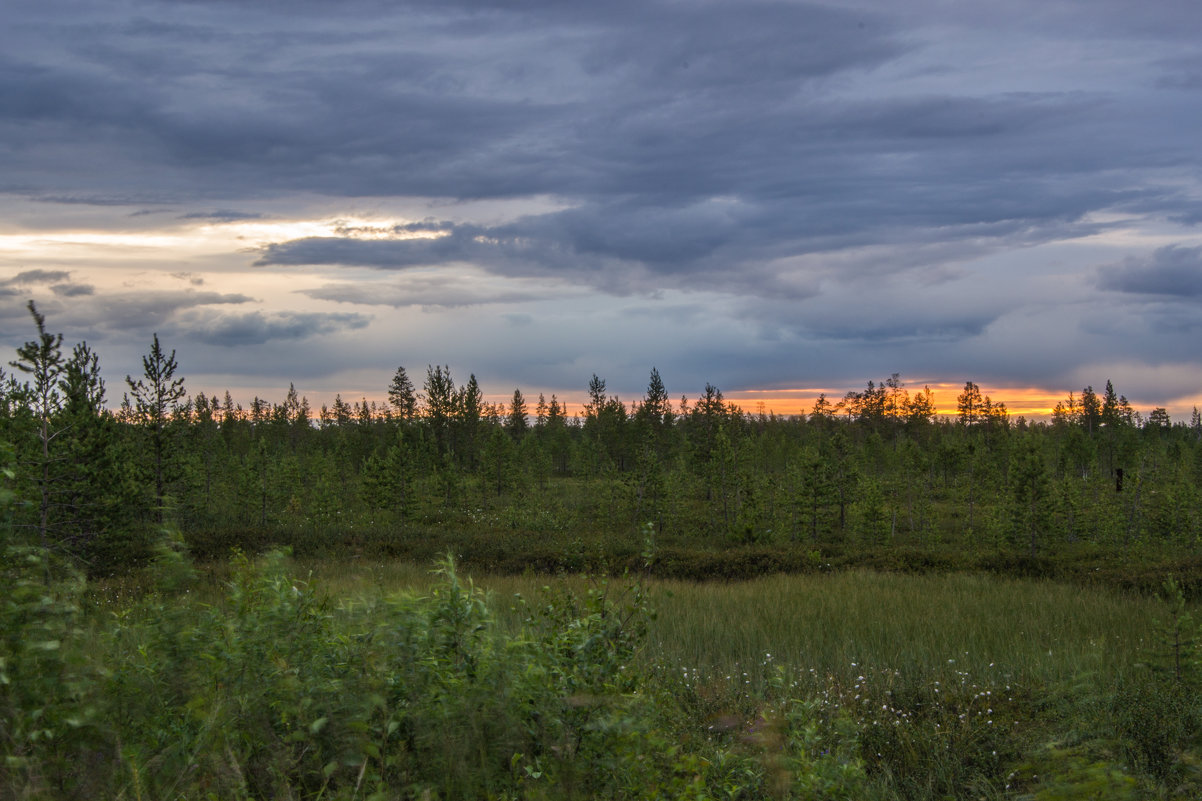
1173,271
27,282
255,328
795,156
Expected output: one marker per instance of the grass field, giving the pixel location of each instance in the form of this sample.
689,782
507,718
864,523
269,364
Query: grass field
948,685
935,625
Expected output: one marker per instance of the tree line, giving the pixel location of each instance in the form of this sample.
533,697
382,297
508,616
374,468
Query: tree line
876,468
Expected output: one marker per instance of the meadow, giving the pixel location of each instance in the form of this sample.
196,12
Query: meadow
271,677
951,685
932,624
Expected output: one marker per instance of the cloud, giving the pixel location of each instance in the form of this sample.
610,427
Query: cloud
72,290
184,275
222,215
1174,271
151,309
256,328
380,253
37,277
22,282
432,291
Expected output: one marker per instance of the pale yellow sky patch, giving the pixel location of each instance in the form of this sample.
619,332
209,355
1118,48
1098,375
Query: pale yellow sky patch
182,241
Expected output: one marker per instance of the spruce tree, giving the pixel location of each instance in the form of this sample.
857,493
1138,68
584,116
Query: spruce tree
155,396
440,403
654,416
1030,492
469,411
517,422
42,359
1091,410
970,405
98,490
402,396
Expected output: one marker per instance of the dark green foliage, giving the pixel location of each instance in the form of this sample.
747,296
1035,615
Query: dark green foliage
155,398
1031,494
386,480
1177,647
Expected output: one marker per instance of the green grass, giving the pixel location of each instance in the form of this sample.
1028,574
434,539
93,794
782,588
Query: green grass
1022,631
953,685
935,625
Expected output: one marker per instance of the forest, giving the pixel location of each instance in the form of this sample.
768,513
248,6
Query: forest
154,548
526,486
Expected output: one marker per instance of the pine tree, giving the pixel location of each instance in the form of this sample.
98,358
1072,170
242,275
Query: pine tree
1110,407
386,478
822,412
656,408
1091,410
970,405
920,409
98,492
342,412
469,412
498,456
155,397
540,412
558,443
1158,419
440,402
517,422
1067,412
42,359
1030,493
402,396
596,396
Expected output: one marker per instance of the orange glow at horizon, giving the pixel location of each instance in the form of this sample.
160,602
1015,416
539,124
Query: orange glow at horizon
1030,402
1033,403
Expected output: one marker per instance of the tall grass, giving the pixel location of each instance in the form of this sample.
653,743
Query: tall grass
934,625
937,626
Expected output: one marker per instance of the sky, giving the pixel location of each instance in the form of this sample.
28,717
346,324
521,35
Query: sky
777,198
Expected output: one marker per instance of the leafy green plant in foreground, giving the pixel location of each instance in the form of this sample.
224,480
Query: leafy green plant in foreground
272,691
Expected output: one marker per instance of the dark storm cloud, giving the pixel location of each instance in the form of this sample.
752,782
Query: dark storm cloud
454,103
255,328
687,137
1174,271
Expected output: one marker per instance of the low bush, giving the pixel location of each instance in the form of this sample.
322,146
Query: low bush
272,691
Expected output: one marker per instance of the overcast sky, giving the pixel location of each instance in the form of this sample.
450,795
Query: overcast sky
766,196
